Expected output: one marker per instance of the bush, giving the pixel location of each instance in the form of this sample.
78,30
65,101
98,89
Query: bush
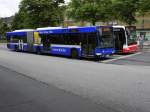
3,40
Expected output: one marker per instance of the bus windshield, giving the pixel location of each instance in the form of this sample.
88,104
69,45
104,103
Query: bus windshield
106,40
131,35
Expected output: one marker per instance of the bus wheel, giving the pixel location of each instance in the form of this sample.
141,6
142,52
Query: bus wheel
74,54
16,48
97,58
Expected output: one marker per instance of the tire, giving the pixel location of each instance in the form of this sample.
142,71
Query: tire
8,46
97,58
74,54
16,48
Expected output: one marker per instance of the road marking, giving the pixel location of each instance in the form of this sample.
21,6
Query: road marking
121,57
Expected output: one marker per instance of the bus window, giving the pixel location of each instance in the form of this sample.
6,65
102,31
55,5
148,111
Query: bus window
24,40
74,39
14,39
52,39
106,39
131,35
45,41
56,39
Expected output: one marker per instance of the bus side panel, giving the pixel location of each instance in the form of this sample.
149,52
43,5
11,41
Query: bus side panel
79,52
12,46
25,47
104,51
131,49
60,51
35,46
65,51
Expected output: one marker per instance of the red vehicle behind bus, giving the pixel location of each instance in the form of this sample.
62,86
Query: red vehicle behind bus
125,39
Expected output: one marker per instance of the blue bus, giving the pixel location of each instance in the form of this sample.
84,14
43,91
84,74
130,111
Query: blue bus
75,42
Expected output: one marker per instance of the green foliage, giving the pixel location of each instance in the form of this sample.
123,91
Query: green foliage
3,28
43,13
18,21
144,6
107,10
38,13
125,10
89,10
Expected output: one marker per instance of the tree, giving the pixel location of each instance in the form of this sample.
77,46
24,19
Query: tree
3,28
38,13
144,6
125,10
18,21
89,10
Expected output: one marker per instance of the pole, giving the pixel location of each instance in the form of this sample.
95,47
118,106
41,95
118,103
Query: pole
143,22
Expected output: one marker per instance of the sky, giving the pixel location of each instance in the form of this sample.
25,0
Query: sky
10,7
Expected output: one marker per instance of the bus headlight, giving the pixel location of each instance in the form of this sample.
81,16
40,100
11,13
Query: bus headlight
113,51
98,54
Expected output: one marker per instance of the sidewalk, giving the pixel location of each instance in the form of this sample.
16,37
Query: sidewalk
146,46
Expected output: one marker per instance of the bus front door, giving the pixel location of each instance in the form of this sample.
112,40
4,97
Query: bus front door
88,46
120,40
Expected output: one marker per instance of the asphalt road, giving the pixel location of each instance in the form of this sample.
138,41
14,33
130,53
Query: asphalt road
19,93
112,87
140,59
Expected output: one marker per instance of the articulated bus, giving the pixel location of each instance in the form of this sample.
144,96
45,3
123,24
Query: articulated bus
75,42
125,39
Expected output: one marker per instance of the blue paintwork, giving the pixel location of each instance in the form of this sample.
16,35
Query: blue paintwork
65,51
69,30
105,51
35,48
21,34
25,47
12,47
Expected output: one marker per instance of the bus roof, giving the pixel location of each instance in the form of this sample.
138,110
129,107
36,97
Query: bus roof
70,30
124,27
119,26
24,30
21,32
49,28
